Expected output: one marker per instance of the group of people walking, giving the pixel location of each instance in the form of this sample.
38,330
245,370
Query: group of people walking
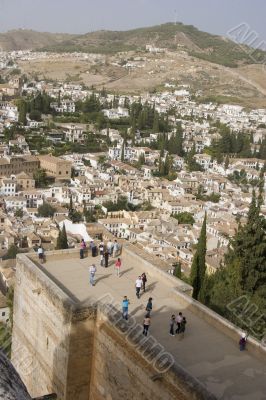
147,317
141,284
177,324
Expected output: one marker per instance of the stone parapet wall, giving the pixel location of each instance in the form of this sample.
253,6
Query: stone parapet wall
42,323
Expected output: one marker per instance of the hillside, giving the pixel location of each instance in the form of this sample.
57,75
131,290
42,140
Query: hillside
213,48
171,36
24,39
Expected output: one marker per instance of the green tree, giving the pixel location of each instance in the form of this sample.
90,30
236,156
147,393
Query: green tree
46,210
192,164
184,218
22,109
226,162
243,275
248,249
40,178
11,252
62,242
19,213
155,127
177,270
123,152
35,115
198,267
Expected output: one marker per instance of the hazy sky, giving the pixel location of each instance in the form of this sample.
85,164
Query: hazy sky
80,16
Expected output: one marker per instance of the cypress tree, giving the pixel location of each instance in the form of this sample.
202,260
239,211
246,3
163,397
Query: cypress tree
248,249
64,243
155,127
62,239
123,152
198,267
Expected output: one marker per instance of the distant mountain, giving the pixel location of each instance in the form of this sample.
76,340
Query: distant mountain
24,39
171,36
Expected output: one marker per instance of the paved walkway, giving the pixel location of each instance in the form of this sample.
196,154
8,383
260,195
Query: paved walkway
205,352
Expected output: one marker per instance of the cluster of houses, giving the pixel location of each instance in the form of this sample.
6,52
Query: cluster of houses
94,181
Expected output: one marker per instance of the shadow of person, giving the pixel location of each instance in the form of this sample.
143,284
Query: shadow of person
151,287
125,271
101,278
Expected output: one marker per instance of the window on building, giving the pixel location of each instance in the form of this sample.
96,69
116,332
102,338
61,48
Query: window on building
3,313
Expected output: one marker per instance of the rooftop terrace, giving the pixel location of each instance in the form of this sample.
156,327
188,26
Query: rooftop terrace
207,352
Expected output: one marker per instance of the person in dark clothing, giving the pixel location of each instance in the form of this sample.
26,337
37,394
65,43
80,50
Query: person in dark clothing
144,280
183,326
242,342
82,249
106,259
93,249
149,306
178,322
172,324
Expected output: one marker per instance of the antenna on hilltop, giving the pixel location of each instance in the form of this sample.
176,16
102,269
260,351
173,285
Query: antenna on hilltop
175,17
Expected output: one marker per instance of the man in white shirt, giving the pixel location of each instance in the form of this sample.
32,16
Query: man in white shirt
92,271
138,286
110,247
40,253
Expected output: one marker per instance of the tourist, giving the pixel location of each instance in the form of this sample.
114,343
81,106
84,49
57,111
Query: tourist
82,249
178,321
144,280
183,326
92,271
101,248
138,286
242,342
149,306
110,247
93,249
106,259
146,324
125,304
40,253
172,324
115,248
118,266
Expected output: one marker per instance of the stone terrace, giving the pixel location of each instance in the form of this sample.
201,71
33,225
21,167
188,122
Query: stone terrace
205,352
